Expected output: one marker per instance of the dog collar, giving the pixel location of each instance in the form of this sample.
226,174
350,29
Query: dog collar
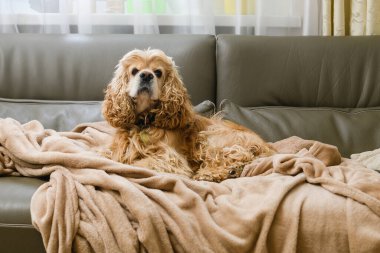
146,120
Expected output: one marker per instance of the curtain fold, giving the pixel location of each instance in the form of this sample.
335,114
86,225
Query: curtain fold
312,17
256,17
350,17
7,20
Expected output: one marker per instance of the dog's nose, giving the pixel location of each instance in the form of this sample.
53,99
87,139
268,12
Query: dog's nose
146,76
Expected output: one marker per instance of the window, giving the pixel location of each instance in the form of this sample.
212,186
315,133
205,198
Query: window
156,16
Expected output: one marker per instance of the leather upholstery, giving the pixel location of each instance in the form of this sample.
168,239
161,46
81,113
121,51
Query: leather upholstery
318,81
20,239
58,115
16,232
299,71
351,130
78,67
64,115
297,75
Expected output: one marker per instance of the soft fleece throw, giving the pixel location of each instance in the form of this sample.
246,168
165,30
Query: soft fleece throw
308,199
370,159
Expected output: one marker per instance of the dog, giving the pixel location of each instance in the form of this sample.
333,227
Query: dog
157,128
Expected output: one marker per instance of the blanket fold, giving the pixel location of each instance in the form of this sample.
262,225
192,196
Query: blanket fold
304,199
321,164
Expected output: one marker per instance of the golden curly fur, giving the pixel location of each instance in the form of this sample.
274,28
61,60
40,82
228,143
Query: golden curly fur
157,127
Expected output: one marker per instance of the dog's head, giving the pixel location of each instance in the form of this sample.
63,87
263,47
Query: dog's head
147,90
144,73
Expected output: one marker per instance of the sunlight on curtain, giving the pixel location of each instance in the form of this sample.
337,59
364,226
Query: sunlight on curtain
365,19
351,17
296,17
8,22
260,17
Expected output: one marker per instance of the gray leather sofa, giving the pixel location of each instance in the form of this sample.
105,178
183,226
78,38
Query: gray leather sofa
320,88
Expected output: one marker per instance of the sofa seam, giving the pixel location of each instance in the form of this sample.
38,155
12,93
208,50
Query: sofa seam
223,105
8,225
57,102
361,110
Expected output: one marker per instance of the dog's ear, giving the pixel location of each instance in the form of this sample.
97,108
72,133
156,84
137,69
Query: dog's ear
175,109
118,108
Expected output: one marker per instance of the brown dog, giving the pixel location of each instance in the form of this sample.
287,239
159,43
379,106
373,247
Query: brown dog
157,128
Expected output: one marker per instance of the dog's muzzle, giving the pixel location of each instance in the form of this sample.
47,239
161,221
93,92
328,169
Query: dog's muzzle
145,82
144,87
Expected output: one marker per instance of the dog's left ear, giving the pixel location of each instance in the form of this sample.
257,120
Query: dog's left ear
175,109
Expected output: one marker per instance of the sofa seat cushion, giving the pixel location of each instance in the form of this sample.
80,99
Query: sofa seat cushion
15,195
351,130
16,231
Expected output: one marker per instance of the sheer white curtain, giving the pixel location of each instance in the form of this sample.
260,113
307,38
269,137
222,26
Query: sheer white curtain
288,17
260,17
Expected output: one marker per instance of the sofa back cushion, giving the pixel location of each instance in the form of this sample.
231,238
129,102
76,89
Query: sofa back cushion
78,67
299,71
320,88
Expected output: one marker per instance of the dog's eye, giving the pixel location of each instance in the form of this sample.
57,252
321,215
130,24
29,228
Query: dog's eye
158,73
134,71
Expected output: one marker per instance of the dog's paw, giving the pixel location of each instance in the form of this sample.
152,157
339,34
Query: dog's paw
218,174
107,153
205,177
234,171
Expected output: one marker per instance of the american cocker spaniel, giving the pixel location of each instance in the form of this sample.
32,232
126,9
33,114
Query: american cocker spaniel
157,127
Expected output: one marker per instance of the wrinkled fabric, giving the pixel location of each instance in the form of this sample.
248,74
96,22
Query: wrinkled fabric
306,200
370,159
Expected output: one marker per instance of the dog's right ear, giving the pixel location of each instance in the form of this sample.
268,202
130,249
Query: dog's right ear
118,108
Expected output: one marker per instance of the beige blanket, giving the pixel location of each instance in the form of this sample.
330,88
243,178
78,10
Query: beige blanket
370,159
301,202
